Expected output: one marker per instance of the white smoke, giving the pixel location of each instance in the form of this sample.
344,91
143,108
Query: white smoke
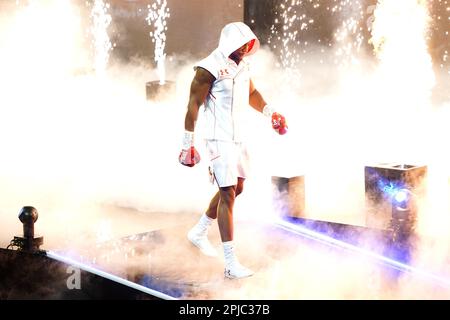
98,161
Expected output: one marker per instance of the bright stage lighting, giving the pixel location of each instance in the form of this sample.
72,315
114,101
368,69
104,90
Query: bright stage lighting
401,199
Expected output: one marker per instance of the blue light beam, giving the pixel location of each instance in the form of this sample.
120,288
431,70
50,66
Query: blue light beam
308,233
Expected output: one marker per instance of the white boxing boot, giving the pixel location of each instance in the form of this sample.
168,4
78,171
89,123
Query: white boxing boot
237,271
233,269
198,235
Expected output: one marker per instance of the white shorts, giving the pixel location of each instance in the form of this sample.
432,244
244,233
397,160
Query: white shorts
229,161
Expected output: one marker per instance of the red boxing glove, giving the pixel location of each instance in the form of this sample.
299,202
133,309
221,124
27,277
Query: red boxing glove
279,123
189,157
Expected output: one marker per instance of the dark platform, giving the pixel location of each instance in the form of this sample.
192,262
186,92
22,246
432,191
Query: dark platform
36,276
287,265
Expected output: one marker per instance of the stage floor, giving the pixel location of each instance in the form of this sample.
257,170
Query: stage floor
287,266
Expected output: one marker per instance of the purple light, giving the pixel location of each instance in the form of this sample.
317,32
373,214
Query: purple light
305,232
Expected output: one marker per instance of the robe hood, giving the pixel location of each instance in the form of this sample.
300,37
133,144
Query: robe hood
234,35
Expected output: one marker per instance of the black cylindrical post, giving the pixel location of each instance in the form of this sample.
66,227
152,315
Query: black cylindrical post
28,216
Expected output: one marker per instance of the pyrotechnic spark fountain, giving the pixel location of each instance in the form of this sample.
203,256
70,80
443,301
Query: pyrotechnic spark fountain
102,44
399,37
285,32
300,42
292,24
348,35
158,12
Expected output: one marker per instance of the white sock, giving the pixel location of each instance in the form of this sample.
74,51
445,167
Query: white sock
228,251
205,220
203,224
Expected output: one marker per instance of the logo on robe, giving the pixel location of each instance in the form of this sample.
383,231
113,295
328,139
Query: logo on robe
223,72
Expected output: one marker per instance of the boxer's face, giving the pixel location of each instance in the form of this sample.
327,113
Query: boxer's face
238,54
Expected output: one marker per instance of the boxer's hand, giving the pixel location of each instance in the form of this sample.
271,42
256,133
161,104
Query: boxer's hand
189,156
279,123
